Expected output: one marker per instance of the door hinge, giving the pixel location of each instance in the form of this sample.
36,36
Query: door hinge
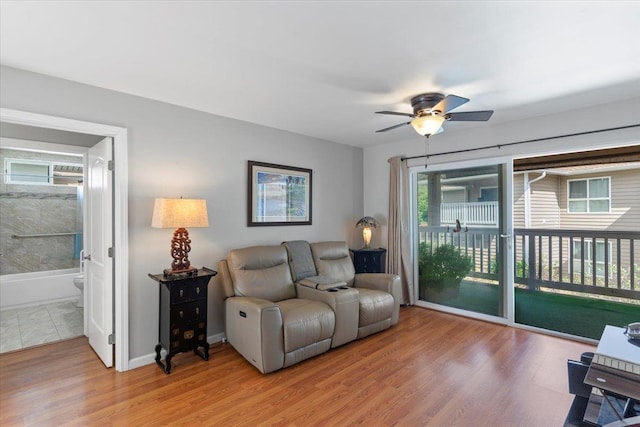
110,252
112,339
110,165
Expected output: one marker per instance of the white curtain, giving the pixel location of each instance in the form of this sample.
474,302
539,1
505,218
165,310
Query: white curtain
398,245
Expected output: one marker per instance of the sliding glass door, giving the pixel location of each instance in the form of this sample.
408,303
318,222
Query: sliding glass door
460,222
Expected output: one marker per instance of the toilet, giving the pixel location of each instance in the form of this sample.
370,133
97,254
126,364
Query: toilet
78,282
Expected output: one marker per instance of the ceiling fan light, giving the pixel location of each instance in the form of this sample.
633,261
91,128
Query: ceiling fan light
427,125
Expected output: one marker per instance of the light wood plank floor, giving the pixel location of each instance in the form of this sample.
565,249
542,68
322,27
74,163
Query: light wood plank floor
432,369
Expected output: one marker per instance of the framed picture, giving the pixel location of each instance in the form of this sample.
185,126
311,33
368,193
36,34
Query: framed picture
278,195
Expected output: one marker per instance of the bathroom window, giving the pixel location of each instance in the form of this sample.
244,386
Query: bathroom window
20,171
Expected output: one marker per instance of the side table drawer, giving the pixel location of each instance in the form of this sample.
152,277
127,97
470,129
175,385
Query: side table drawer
184,336
186,292
190,312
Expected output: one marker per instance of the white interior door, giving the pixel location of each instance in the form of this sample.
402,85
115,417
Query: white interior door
98,263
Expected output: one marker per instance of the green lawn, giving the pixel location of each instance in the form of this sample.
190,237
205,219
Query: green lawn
585,317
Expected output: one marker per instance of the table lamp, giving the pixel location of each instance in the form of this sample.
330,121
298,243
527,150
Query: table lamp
366,223
180,214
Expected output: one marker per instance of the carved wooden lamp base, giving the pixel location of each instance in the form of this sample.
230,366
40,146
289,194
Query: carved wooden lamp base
180,247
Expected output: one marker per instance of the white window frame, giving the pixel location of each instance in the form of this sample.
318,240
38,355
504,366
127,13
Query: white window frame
588,198
50,177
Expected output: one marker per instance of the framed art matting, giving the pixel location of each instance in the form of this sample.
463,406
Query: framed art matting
278,195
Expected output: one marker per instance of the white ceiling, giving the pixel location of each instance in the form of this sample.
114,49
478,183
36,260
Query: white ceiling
323,68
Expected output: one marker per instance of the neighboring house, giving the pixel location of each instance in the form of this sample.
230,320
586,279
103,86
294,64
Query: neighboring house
595,197
596,210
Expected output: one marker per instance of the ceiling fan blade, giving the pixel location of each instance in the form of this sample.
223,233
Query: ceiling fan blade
395,113
449,103
470,116
393,127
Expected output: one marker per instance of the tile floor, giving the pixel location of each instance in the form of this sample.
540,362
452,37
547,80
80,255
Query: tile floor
25,327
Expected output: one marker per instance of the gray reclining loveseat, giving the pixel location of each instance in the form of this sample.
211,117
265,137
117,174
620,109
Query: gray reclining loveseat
287,303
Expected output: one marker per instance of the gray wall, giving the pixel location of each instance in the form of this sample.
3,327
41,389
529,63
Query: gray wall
175,151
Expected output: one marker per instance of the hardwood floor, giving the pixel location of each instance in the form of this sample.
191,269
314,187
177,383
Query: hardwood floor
432,369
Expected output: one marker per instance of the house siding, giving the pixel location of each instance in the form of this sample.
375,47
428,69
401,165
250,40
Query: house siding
518,200
625,203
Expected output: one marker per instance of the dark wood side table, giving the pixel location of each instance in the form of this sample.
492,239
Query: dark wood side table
183,315
369,260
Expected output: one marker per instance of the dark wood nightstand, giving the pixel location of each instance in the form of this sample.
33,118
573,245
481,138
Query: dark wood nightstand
183,315
369,260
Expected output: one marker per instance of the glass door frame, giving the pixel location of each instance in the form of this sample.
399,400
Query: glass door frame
505,230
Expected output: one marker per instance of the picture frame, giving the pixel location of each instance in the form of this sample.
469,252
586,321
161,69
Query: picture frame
278,195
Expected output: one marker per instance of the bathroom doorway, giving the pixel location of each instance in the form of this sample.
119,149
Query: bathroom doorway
41,265
38,124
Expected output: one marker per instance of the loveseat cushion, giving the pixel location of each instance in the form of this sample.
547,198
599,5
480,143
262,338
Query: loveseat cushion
375,306
261,272
300,259
305,323
333,260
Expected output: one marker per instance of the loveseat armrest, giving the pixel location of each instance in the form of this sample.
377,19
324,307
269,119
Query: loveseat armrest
253,326
344,302
383,282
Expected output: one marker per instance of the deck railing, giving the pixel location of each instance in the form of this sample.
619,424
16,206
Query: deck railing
478,242
584,261
470,213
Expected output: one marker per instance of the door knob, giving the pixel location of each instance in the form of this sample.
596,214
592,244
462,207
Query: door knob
87,257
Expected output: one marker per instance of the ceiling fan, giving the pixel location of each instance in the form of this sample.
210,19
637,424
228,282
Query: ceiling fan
431,110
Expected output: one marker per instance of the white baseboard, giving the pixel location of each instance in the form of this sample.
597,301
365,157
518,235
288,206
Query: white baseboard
150,358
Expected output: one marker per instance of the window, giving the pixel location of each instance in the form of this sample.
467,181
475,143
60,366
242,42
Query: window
588,256
589,195
488,194
20,171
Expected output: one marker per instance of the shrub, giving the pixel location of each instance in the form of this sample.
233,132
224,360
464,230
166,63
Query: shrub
444,264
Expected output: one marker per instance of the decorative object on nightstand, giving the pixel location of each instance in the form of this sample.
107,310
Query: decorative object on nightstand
369,260
180,214
367,223
183,315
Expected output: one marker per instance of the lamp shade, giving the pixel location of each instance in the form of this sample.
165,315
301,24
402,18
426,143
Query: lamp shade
180,213
427,125
367,222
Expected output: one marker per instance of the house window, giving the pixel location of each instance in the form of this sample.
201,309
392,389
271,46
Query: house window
21,171
488,194
589,195
600,258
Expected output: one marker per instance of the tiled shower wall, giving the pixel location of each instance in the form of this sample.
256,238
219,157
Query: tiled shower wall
37,209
